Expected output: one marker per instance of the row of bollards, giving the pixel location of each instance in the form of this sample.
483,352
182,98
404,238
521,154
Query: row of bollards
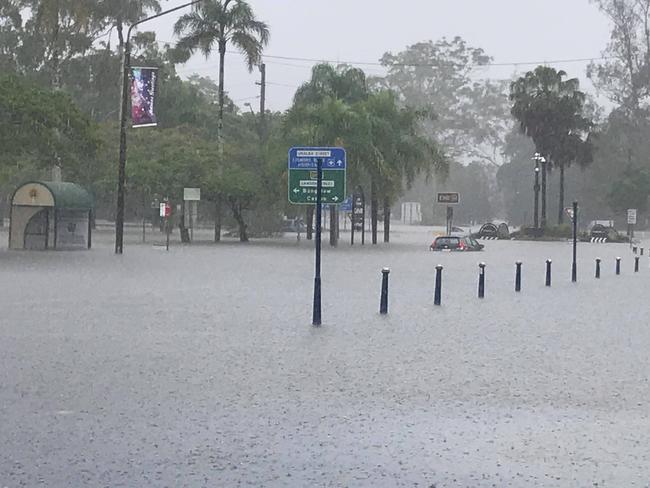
437,295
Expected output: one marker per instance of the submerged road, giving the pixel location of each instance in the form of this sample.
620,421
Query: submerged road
198,367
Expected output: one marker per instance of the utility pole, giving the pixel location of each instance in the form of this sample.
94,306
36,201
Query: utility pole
124,82
262,84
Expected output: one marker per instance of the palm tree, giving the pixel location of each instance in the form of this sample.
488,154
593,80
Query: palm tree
550,111
321,115
222,22
397,152
121,13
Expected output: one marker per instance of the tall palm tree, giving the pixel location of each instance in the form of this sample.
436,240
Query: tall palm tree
121,13
550,110
322,112
222,22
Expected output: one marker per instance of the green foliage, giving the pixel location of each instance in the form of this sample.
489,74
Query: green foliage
42,126
550,111
630,190
471,118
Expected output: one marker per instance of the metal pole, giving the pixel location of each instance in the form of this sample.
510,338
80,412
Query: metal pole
144,217
167,231
481,281
574,267
536,189
121,176
363,218
437,295
618,266
548,272
383,305
263,101
518,276
544,176
316,316
636,264
598,268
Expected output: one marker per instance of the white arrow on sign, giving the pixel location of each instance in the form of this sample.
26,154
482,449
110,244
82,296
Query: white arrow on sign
340,163
336,199
296,190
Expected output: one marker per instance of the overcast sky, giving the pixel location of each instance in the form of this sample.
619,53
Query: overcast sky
514,31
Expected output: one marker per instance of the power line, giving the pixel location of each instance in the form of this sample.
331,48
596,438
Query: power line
420,65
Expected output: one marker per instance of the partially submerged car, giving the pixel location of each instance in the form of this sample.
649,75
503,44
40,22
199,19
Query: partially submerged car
455,243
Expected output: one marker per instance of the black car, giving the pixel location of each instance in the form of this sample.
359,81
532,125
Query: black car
454,243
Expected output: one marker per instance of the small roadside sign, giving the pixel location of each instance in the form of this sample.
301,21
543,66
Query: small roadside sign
192,194
165,210
631,216
303,175
449,198
346,206
569,212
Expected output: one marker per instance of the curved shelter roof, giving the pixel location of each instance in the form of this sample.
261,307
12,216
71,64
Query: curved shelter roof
59,194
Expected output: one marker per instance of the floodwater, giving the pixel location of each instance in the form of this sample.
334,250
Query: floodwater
199,367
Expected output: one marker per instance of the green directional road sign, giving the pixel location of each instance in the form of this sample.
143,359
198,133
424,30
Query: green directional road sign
303,176
302,186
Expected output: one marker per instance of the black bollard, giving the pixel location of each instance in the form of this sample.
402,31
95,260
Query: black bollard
481,280
437,296
518,276
548,272
383,305
618,266
641,251
636,264
598,268
634,249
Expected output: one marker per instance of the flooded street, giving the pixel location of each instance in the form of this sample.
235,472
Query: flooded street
199,367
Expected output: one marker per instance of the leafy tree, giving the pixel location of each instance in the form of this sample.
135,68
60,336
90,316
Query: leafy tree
119,14
471,117
550,110
625,75
322,114
41,125
383,139
630,190
393,151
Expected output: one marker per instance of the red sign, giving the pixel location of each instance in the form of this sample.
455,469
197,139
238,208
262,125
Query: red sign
166,210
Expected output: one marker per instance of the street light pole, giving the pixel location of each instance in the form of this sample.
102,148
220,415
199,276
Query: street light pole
536,188
126,66
538,158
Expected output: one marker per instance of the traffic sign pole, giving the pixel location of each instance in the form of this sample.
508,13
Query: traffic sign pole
574,267
316,317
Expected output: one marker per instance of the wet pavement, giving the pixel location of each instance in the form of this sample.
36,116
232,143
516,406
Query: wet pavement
199,367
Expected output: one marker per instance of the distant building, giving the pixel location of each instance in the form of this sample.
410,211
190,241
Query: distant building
411,213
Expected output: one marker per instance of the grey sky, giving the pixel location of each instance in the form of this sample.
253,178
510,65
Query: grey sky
362,30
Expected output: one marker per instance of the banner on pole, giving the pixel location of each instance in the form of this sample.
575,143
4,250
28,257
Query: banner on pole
143,97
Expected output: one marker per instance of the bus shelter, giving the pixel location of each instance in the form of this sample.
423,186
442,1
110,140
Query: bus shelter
50,215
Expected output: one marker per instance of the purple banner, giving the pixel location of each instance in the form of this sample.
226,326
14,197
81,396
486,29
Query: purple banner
143,96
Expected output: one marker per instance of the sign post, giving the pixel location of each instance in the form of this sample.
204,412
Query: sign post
574,218
631,222
317,176
193,196
358,216
165,213
316,310
449,198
